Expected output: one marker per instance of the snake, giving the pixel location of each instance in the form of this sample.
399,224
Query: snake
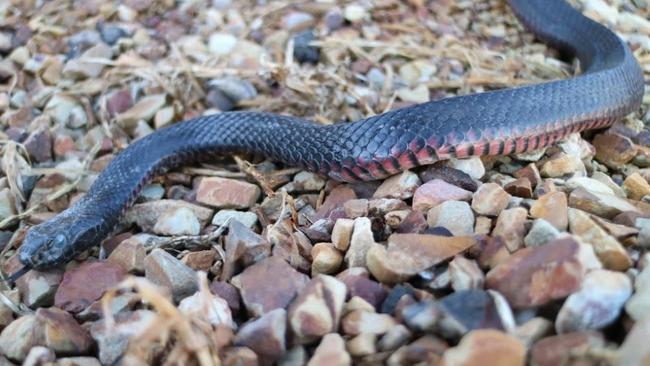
497,122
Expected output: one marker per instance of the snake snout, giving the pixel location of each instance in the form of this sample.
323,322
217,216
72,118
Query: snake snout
41,250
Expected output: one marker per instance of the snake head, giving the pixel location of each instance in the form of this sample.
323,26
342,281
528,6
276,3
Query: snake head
59,240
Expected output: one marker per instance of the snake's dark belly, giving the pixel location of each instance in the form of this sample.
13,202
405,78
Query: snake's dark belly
498,122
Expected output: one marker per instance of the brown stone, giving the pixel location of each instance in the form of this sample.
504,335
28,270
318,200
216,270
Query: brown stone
436,192
510,227
401,186
610,252
559,165
317,309
75,294
560,349
530,172
342,233
227,193
360,321
407,254
335,199
326,259
600,204
243,246
265,336
613,149
331,352
269,284
361,241
534,276
490,199
486,347
551,207
201,260
520,187
129,255
166,271
636,186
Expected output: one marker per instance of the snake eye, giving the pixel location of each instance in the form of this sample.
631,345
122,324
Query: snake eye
59,241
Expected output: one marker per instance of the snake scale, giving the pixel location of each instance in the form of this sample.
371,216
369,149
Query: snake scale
504,121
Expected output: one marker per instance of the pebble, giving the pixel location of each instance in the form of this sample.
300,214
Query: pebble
227,193
471,166
361,321
331,351
342,234
520,187
79,68
535,276
74,294
66,110
437,191
146,215
360,285
129,255
407,254
248,219
610,252
242,246
266,336
177,221
221,44
467,310
7,205
455,216
337,197
326,259
540,233
552,207
235,89
637,306
206,306
597,304
604,205
609,182
560,165
465,274
144,110
354,13
396,337
401,186
303,51
229,293
490,199
113,341
486,347
151,192
38,288
269,284
201,260
39,144
317,309
636,186
613,149
510,227
360,242
308,181
52,328
560,349
297,21
166,271
590,184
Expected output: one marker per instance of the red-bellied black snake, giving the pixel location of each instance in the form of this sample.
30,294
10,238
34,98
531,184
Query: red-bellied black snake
497,122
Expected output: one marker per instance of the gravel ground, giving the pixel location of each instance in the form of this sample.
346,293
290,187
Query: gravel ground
537,259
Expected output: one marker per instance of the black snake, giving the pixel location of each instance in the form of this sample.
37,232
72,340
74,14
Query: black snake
498,122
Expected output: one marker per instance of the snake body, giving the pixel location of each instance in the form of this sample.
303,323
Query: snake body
497,122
